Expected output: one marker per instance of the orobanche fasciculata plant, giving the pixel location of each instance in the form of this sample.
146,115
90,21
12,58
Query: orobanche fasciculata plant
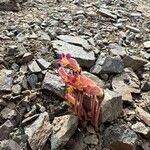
81,92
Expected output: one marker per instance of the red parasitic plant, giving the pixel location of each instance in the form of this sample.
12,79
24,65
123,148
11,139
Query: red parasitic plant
79,89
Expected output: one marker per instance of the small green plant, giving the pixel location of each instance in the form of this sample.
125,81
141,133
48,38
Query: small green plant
81,92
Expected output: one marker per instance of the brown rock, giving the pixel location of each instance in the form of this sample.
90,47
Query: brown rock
39,131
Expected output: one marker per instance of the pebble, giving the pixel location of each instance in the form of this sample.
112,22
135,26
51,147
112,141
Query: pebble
146,44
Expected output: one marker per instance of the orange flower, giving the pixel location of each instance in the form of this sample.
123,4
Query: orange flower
70,96
82,83
67,61
79,86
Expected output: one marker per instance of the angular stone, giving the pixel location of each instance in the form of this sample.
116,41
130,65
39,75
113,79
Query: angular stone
63,128
76,40
120,136
54,84
39,131
111,106
107,64
9,145
146,44
5,130
143,115
8,113
26,57
107,13
125,84
134,62
116,49
139,127
91,139
5,80
133,29
33,67
43,63
32,80
84,58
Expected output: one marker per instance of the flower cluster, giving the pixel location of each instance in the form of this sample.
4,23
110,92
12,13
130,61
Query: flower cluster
81,90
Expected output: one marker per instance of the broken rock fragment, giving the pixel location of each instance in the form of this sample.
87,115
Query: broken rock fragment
26,57
126,83
139,127
6,80
116,49
107,64
134,62
76,40
43,63
111,106
33,67
84,58
39,131
5,129
8,113
120,137
63,128
54,84
143,115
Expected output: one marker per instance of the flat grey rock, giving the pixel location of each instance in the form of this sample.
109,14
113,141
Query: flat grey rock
111,106
107,64
43,63
84,58
34,67
76,40
54,84
116,49
6,80
126,84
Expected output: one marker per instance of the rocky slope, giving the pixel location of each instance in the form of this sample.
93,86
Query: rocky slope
111,41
